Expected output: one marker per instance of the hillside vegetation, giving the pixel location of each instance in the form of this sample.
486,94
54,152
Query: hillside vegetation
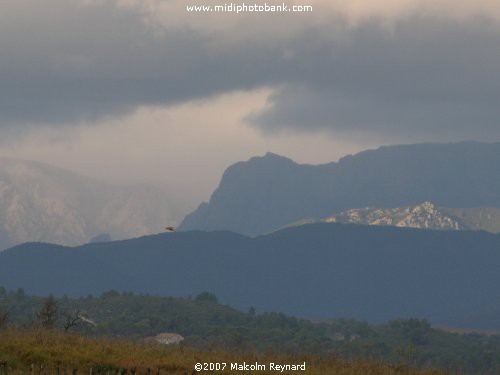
202,321
209,326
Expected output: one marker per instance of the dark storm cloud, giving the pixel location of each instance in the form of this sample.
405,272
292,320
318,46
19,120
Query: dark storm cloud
64,63
426,77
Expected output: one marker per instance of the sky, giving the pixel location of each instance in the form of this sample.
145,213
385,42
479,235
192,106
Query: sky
145,91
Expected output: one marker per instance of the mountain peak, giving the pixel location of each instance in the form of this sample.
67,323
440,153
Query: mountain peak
267,192
270,157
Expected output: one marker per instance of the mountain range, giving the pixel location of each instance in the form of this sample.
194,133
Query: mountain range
42,203
424,216
39,202
266,193
319,271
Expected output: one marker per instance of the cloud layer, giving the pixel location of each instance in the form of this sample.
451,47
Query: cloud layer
407,69
428,78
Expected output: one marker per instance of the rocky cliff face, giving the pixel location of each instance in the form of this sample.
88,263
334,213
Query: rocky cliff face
42,203
266,193
424,216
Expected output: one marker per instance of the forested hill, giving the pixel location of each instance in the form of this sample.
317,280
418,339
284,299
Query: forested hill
313,271
269,192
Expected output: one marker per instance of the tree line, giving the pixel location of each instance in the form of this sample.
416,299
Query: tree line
206,324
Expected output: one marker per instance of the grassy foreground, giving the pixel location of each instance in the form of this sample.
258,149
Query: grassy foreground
51,352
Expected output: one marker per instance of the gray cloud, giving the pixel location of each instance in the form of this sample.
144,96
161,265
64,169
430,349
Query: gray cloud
66,63
426,78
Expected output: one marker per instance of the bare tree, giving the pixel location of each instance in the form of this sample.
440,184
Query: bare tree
72,318
48,313
4,316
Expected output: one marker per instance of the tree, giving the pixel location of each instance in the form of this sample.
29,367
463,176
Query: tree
20,294
71,319
48,313
206,297
4,316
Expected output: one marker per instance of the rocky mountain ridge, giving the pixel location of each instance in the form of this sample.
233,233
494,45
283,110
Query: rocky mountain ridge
422,216
425,216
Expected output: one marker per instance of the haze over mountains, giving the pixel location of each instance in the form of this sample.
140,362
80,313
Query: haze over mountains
266,193
321,270
42,203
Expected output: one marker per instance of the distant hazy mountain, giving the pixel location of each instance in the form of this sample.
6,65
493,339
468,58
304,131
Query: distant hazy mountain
266,193
43,203
424,216
318,271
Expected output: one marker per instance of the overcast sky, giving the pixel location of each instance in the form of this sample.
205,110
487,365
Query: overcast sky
142,90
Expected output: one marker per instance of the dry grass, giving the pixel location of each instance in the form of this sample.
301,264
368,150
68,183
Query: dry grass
46,352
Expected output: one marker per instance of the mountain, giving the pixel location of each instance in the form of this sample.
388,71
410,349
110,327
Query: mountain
266,193
39,202
476,218
425,216
319,271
